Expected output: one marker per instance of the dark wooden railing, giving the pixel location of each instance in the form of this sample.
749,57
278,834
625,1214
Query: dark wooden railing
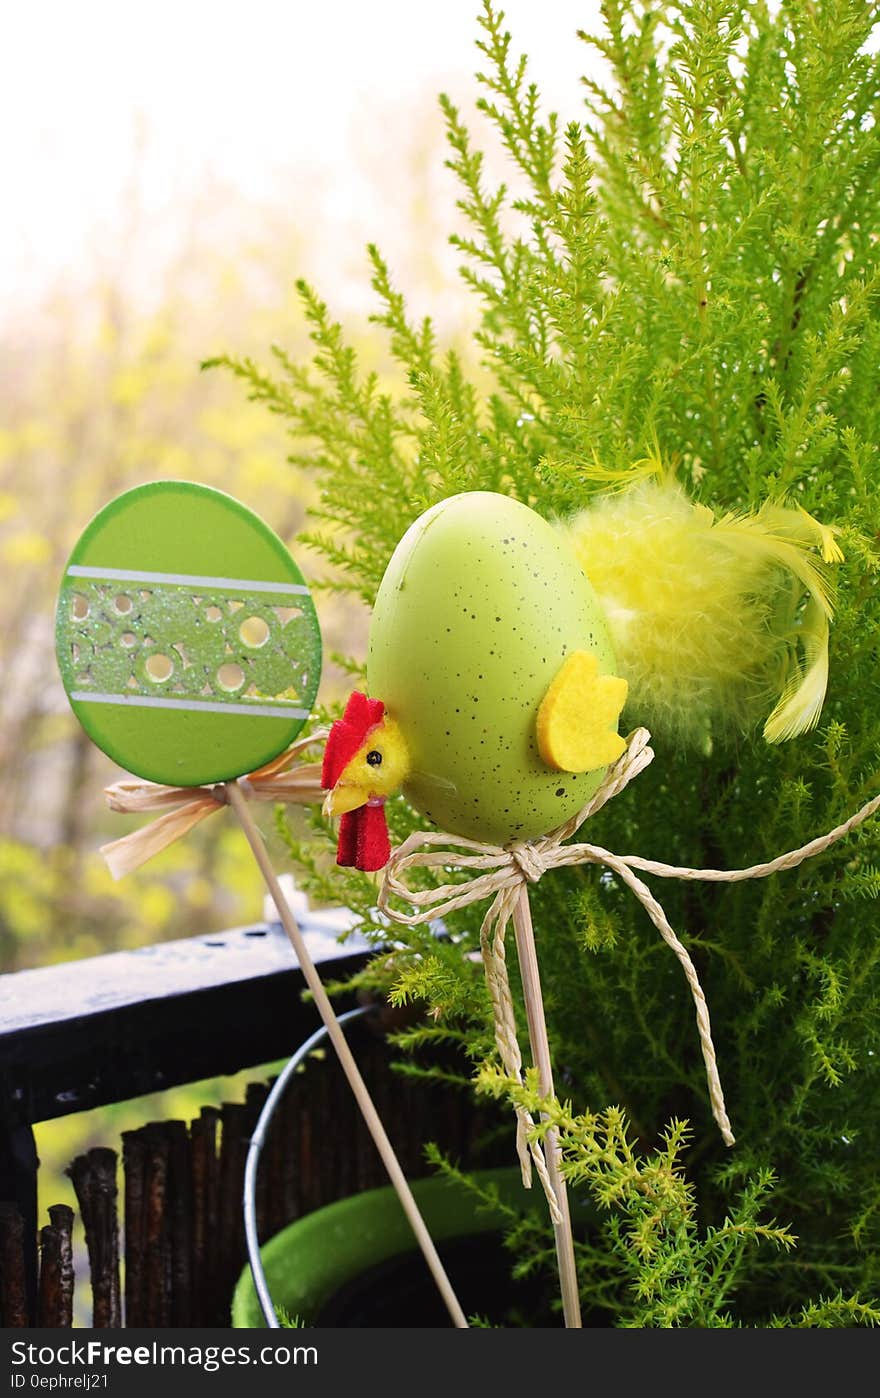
88,1033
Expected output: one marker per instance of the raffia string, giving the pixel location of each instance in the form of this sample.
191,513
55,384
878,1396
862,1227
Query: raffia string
283,779
501,873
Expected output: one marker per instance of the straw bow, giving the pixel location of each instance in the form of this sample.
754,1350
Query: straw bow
501,873
282,779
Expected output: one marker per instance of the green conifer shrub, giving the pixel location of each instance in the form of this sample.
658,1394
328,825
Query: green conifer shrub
692,271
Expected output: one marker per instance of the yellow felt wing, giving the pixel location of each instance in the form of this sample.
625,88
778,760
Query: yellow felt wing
577,720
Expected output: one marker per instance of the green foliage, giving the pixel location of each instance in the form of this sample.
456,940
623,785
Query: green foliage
287,1321
649,1259
690,272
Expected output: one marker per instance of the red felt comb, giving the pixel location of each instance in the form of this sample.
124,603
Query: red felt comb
348,734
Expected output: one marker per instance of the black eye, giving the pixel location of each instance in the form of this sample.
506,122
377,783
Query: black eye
374,758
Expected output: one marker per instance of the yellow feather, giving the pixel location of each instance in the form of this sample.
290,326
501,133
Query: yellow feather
800,703
715,620
626,476
831,550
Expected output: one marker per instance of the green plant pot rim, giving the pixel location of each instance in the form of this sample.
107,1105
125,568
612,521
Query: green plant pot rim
313,1258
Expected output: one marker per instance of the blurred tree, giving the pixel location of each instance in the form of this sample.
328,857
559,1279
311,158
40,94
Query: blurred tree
102,394
102,391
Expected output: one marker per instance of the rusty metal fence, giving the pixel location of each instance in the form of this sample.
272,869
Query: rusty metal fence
166,1248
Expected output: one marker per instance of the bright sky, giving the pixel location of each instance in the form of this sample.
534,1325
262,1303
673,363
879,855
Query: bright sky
264,98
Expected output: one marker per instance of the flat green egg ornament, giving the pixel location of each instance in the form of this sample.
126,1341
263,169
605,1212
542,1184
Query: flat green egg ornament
479,608
186,636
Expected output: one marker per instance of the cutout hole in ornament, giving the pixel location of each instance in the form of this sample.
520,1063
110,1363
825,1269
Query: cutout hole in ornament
213,613
123,604
235,606
79,607
254,631
286,614
128,639
85,677
159,668
74,652
230,677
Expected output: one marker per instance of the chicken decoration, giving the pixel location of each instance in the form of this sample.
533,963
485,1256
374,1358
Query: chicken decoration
354,764
503,650
502,653
492,659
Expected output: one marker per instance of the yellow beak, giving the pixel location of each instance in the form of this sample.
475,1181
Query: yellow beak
344,798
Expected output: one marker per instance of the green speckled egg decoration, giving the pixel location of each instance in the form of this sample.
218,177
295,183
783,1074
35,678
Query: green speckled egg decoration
479,607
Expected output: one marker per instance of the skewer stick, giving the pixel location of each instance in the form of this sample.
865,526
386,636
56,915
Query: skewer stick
349,1067
531,980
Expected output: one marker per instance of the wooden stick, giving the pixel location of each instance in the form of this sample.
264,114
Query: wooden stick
203,1135
134,1172
531,980
235,1131
239,804
180,1219
156,1242
94,1181
56,1270
13,1285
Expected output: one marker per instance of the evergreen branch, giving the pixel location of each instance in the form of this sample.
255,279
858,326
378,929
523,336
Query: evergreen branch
689,274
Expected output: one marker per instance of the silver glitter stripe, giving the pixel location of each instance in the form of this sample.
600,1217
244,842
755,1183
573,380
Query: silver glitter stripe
78,570
195,706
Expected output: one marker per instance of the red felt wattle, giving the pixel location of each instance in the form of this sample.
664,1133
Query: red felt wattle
347,843
363,839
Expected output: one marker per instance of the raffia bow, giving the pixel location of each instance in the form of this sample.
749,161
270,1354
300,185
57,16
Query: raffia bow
501,873
283,779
